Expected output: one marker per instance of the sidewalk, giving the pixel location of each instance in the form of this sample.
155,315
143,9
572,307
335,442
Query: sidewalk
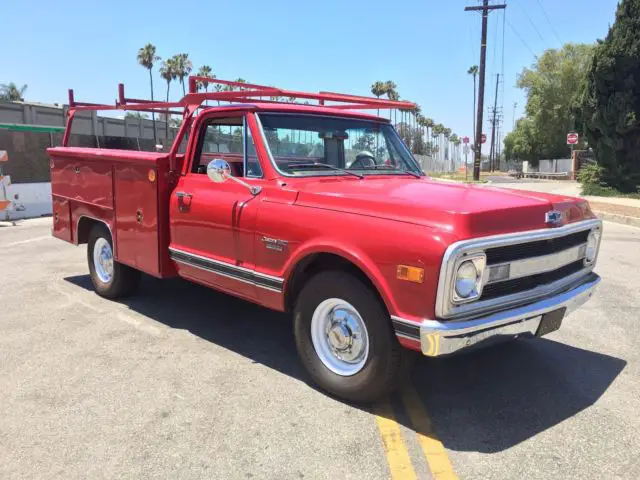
613,209
619,210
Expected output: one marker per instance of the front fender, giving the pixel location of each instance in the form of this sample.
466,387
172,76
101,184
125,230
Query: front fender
352,254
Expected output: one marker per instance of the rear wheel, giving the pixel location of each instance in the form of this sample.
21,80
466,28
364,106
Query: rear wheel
345,338
110,278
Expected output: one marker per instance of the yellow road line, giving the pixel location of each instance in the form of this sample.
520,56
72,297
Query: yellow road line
433,450
395,450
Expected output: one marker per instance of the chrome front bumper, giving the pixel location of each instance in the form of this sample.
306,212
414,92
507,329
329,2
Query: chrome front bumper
443,338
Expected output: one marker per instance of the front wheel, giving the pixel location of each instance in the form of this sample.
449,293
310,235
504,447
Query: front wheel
345,339
110,278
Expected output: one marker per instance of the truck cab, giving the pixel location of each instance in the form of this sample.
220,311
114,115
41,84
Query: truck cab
322,211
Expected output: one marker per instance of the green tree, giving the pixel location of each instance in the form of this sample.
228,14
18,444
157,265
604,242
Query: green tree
610,103
10,92
552,89
147,57
183,67
378,89
205,71
473,70
133,114
168,73
429,124
390,90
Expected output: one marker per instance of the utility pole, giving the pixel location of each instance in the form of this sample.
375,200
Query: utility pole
515,105
493,127
485,9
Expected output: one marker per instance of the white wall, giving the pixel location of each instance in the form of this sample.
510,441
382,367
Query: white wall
34,200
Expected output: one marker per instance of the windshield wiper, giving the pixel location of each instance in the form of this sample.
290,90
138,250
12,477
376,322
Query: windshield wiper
326,165
389,167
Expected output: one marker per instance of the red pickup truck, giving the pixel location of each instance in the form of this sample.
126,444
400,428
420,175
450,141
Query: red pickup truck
321,210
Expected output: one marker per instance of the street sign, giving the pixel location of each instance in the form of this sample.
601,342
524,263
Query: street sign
483,138
465,140
466,149
572,138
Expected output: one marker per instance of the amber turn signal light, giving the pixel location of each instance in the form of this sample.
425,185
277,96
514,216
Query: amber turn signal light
410,274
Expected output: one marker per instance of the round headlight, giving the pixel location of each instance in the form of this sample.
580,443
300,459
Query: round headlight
466,279
592,246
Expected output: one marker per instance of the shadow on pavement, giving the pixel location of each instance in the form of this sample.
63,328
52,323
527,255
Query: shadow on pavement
493,399
487,401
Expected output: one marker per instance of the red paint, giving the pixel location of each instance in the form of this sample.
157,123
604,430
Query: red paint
375,223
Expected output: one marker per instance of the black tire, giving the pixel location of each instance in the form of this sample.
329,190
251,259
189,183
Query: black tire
125,280
388,363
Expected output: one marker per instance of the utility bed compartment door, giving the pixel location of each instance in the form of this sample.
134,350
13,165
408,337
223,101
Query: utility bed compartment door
86,181
61,219
137,228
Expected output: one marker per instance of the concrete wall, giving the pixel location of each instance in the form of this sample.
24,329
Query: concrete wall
560,165
84,123
28,200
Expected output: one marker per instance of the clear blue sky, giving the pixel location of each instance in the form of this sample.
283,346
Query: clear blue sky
425,46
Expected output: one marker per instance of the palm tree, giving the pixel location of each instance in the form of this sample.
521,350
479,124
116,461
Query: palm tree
147,57
183,68
429,124
205,71
10,92
455,141
390,89
240,80
473,70
378,89
446,132
168,73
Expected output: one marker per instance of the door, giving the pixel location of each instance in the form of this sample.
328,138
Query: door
213,224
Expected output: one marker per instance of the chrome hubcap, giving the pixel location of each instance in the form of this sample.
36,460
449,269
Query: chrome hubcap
339,337
103,260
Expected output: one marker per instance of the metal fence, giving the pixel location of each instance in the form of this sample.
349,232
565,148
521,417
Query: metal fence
28,161
433,164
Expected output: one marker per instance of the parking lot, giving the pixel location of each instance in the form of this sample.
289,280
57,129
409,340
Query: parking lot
183,382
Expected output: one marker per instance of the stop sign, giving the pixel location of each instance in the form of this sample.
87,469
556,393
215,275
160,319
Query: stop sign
572,138
483,138
465,140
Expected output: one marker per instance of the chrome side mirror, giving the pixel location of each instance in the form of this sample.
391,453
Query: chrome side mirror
219,170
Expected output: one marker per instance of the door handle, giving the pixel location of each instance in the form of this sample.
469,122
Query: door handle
184,199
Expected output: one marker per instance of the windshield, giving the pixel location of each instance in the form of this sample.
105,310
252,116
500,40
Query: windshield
317,145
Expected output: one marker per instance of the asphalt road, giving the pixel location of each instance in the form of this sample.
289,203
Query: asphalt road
183,382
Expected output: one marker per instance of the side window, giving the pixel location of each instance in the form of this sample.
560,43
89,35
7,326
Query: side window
225,138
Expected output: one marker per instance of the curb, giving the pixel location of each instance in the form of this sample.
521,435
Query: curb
623,219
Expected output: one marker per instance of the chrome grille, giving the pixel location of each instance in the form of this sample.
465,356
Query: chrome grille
521,267
494,290
510,253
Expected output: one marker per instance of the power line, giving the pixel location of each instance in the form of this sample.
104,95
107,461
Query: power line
485,9
553,29
534,26
504,17
521,39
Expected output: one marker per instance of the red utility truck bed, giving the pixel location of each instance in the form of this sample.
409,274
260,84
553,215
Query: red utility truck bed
127,190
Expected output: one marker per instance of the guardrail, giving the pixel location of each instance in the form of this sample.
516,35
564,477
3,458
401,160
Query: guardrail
543,175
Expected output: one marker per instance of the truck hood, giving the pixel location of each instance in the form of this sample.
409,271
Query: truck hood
467,211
